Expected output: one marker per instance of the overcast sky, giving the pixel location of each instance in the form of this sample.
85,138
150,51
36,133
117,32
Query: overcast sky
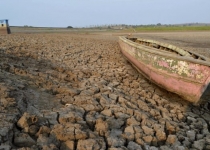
83,13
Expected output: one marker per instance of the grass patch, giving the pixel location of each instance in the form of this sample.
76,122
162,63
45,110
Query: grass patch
170,28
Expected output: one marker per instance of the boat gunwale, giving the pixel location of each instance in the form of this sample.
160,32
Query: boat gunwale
153,51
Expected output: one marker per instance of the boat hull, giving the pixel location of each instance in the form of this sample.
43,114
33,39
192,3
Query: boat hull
182,76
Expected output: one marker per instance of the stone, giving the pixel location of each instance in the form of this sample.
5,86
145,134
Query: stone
132,121
129,133
33,129
113,96
199,144
101,126
165,148
199,136
50,147
91,144
147,139
161,135
180,148
64,133
114,123
147,130
26,120
191,135
207,147
71,114
107,112
43,140
67,145
154,141
133,146
23,140
115,141
5,147
79,134
43,130
171,139
105,100
170,128
51,117
153,148
186,142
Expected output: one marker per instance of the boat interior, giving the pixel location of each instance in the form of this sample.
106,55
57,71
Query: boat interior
168,48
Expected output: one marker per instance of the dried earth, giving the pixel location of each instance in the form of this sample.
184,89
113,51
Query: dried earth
77,91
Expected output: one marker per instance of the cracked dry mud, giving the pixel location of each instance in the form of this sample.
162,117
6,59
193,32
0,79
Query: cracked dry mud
70,91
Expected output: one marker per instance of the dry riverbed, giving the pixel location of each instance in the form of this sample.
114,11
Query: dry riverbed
74,91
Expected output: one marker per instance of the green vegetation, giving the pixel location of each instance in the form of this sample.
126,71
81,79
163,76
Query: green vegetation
170,28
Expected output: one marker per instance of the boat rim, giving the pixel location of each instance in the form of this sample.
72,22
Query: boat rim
152,50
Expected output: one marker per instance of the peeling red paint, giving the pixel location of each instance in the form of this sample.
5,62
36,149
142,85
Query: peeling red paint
163,64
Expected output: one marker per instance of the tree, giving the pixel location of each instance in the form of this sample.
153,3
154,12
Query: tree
159,24
69,27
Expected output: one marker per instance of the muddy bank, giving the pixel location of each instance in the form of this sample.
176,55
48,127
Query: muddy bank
63,91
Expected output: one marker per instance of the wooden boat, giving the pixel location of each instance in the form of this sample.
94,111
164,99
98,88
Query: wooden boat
174,69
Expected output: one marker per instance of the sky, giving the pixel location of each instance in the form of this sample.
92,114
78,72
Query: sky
85,13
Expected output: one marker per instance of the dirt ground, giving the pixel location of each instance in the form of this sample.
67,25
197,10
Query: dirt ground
76,91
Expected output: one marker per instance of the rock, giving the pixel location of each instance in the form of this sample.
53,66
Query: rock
180,148
161,136
51,117
121,115
153,148
147,130
207,140
26,120
119,148
23,140
5,147
165,148
186,142
132,121
191,135
105,100
114,123
50,147
139,141
79,134
91,144
115,139
199,136
133,146
129,133
107,112
147,139
68,132
207,147
43,130
91,118
68,90
170,128
199,144
68,145
33,129
171,139
154,141
43,140
101,126
71,114
113,96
